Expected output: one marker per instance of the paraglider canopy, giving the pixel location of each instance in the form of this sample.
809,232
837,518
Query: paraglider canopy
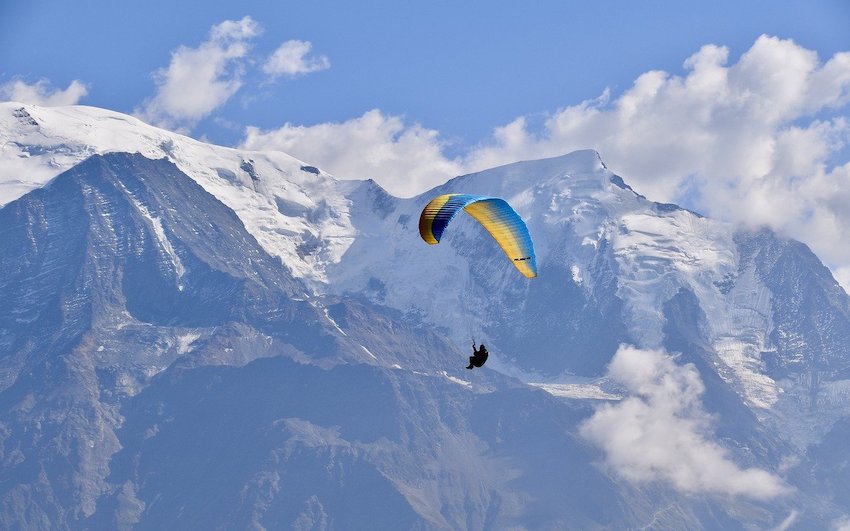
494,214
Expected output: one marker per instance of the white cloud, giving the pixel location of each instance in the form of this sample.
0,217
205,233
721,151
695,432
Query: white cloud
199,80
661,432
42,93
753,141
405,159
723,124
291,59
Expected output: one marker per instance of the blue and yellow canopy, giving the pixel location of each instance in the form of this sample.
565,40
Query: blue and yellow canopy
496,215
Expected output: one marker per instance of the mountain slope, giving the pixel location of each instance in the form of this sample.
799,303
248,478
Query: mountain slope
118,269
295,211
135,397
191,331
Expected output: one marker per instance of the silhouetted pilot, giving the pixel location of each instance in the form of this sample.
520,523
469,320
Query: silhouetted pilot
479,356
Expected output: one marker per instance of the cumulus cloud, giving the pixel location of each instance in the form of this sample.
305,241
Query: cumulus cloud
723,124
42,93
753,141
199,80
661,431
292,58
405,159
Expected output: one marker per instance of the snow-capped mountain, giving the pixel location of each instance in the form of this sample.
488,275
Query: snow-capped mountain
271,192
195,336
611,261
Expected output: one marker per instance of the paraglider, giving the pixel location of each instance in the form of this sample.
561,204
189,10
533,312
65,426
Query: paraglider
499,219
479,356
494,214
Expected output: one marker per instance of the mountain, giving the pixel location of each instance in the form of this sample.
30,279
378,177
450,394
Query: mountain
195,336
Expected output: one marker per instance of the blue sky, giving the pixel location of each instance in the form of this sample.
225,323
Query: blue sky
737,109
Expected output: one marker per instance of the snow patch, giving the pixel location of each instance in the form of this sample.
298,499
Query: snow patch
577,390
456,380
369,352
184,342
576,273
340,330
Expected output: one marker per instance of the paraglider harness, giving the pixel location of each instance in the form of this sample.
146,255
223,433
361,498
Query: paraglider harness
479,357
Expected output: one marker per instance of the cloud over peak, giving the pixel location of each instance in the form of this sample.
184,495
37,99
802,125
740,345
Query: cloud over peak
400,157
199,80
42,93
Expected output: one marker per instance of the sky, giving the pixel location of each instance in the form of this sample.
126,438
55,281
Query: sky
737,109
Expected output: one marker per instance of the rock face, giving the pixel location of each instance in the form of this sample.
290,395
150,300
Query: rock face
249,343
